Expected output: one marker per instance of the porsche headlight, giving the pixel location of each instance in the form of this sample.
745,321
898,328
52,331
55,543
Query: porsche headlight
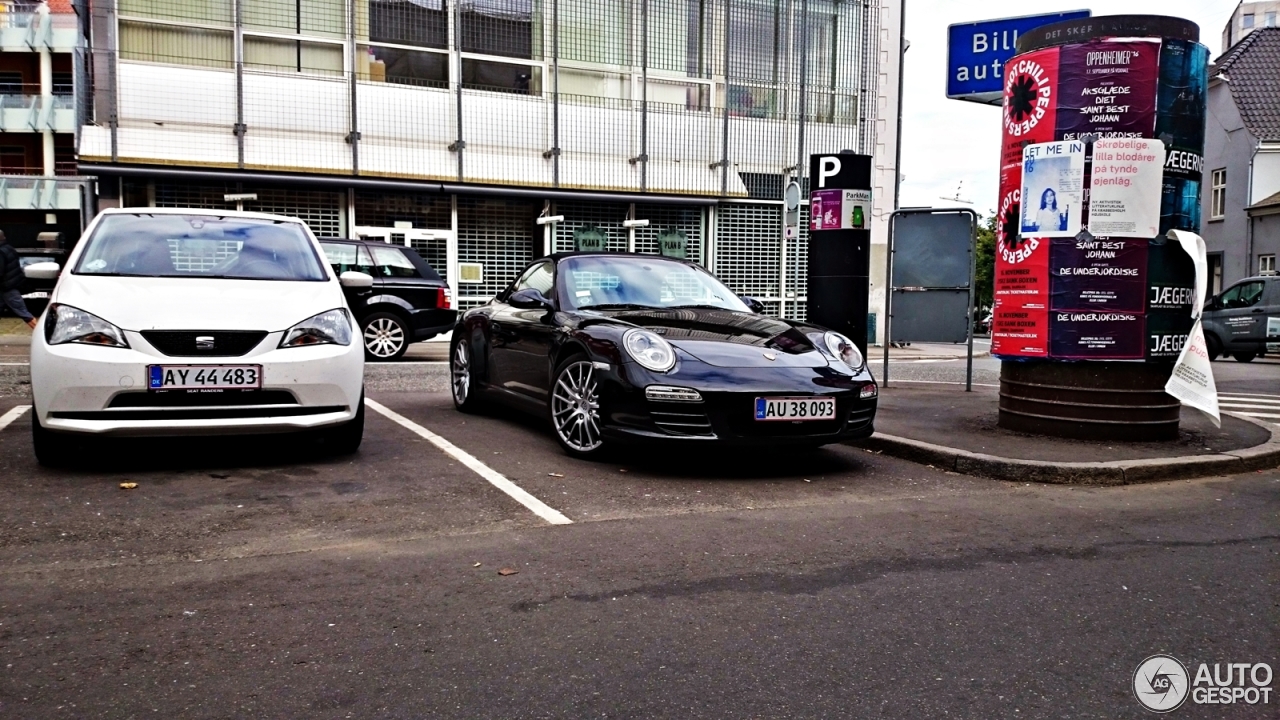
331,327
649,349
66,324
844,349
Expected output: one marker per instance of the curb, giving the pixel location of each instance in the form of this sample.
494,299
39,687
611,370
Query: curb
1117,472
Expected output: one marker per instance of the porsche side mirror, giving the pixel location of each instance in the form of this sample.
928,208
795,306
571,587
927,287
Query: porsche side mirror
756,306
529,299
355,280
42,270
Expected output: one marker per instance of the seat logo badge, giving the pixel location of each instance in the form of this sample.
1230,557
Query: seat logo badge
770,356
204,342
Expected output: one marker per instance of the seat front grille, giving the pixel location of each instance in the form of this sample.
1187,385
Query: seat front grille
182,343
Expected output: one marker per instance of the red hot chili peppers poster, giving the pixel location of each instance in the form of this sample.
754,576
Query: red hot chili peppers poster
1074,298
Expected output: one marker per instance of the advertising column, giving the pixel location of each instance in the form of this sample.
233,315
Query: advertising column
1102,140
840,243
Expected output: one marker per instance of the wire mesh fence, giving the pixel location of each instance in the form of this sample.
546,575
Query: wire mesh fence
674,96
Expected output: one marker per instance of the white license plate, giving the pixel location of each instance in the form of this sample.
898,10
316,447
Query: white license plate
203,377
795,408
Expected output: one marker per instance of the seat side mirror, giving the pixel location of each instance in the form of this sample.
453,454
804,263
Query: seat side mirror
529,299
355,280
42,270
756,306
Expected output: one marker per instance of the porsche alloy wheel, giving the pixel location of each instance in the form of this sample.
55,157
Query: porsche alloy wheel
575,408
460,373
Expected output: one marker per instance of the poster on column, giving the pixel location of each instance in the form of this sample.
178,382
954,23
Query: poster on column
1052,189
1096,335
1098,274
1108,89
1125,187
1020,318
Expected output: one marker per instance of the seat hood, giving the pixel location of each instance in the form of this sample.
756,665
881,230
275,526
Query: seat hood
725,338
147,303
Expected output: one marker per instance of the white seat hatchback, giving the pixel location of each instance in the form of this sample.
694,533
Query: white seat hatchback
196,322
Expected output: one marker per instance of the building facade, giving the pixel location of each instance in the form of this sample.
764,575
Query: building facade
1246,18
1242,160
41,56
453,126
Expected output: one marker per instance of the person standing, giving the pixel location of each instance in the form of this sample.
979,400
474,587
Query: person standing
11,281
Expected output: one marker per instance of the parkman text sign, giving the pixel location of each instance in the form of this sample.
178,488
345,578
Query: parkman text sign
977,52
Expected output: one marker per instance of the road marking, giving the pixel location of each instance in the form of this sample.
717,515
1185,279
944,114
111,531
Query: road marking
538,507
1247,406
1257,415
1239,396
16,364
13,414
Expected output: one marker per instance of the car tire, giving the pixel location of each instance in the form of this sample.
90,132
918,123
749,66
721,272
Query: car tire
1215,346
574,408
345,439
1244,357
386,336
462,377
52,449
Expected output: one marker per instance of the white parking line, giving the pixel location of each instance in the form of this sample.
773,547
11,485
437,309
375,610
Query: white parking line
538,507
13,414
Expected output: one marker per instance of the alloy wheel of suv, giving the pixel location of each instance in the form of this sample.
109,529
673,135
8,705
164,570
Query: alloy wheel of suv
385,337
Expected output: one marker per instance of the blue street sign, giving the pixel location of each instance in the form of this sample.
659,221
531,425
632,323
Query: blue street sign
977,52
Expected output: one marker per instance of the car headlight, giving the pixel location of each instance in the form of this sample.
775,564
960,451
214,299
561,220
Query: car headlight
844,349
649,349
331,327
66,324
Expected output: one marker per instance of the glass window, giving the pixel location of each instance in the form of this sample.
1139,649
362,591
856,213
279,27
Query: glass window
598,281
1243,295
207,12
540,277
498,27
176,45
410,22
501,77
595,32
392,263
1269,20
304,17
1218,194
404,67
1246,20
344,258
292,56
201,246
1266,264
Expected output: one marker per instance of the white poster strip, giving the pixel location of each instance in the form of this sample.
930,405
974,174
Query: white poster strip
1124,190
1052,189
1192,379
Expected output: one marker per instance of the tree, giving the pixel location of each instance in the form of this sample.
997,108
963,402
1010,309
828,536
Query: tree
984,280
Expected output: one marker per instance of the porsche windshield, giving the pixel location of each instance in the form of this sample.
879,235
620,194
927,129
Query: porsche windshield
201,246
602,282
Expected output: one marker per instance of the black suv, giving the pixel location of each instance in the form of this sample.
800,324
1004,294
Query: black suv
408,302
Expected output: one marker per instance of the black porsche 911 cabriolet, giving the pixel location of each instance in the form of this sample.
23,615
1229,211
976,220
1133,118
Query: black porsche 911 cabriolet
615,348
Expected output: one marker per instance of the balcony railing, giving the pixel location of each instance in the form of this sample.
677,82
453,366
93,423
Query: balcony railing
22,111
23,29
67,168
22,192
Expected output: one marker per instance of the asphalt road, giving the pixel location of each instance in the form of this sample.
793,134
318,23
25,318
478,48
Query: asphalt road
263,579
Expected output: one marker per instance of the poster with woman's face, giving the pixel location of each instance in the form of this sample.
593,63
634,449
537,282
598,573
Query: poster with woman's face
1052,189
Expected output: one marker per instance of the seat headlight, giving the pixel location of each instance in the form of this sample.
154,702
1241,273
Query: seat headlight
843,349
66,324
649,349
331,327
